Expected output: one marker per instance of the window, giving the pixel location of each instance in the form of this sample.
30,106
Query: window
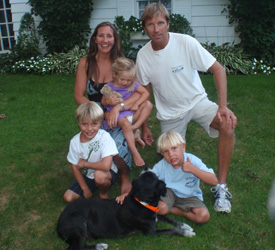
143,4
7,40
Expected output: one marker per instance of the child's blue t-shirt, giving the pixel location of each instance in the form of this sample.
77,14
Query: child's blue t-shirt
183,184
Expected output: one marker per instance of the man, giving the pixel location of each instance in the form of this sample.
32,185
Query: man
170,63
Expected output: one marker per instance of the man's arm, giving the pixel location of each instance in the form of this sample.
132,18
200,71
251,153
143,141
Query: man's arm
221,83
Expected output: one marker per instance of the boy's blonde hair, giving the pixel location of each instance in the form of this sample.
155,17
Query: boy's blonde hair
127,65
154,9
169,138
89,111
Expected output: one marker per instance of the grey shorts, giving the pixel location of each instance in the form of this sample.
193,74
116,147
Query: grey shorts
185,204
203,113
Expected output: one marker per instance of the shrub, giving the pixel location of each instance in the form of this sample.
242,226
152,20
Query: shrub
231,58
258,66
27,44
64,24
34,65
255,24
67,62
178,24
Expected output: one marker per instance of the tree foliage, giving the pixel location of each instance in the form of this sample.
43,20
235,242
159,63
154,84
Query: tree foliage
64,24
255,24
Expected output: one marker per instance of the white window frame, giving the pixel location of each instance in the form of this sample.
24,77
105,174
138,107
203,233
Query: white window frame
139,11
7,41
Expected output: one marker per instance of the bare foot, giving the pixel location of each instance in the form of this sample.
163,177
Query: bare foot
139,162
138,140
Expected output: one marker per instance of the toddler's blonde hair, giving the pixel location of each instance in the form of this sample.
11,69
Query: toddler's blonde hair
127,65
89,111
169,138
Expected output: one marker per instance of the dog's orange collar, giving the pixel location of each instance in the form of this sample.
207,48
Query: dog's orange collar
154,209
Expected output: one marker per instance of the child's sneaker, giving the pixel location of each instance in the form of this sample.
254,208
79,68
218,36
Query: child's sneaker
222,198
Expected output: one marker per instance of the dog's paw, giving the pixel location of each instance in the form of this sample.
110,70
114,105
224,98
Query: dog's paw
101,246
188,233
185,233
186,227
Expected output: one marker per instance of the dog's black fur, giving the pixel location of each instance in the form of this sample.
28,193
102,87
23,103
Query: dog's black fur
98,218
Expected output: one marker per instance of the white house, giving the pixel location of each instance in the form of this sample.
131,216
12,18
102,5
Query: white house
208,22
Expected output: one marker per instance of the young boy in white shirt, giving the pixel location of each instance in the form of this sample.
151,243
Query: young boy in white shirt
182,173
91,155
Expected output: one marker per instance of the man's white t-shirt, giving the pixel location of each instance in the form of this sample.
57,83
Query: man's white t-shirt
95,150
173,73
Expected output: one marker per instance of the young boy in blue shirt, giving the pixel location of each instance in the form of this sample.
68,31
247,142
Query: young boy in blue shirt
182,173
91,155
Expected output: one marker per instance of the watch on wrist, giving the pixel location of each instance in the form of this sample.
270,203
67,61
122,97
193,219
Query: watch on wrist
122,105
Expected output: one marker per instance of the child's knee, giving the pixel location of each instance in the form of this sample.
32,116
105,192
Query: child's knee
70,196
125,125
203,216
102,178
163,208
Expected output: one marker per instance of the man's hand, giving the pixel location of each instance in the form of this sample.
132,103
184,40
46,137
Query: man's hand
229,116
147,136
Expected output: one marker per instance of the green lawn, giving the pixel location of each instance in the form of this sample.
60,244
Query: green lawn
34,141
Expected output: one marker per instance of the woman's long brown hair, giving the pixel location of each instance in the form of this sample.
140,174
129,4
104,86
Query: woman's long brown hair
116,51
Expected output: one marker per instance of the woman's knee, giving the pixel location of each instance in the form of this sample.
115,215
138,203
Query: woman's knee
147,104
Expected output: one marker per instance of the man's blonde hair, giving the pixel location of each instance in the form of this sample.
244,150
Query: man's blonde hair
89,111
169,138
126,65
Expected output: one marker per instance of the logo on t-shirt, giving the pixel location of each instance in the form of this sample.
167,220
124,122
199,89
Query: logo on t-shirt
177,69
94,146
190,182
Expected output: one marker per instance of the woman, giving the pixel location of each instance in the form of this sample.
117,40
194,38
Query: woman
93,72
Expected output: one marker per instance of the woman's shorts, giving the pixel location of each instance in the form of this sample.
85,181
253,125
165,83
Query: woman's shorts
90,183
185,204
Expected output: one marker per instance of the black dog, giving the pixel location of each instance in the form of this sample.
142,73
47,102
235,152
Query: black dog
98,218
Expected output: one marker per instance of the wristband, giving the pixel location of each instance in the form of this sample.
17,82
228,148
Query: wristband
122,105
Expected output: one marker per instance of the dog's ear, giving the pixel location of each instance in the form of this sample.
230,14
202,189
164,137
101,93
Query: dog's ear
162,187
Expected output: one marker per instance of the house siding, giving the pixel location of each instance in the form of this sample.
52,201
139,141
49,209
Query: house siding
209,24
205,17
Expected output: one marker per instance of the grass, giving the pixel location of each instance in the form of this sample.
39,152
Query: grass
34,141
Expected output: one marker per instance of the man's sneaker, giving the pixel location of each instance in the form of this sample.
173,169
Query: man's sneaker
222,198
